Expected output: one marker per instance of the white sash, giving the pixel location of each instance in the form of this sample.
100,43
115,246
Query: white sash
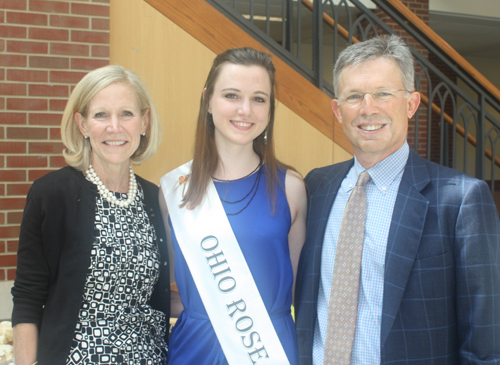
222,276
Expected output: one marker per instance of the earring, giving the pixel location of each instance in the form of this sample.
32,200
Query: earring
144,134
264,139
86,137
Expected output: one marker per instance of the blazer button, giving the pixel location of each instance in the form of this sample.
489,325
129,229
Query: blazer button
164,263
161,239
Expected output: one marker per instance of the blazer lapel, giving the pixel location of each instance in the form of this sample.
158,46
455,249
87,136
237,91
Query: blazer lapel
405,232
333,181
323,185
320,205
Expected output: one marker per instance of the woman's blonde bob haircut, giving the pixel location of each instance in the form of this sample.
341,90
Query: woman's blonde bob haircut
78,149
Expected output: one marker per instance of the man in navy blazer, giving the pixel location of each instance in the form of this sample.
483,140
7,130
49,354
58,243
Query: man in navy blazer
429,291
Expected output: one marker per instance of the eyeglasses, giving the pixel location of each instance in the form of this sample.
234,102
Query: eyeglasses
381,95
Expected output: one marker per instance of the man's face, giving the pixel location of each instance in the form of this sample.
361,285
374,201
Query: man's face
376,129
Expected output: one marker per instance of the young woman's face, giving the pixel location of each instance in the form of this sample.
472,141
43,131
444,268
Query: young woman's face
240,104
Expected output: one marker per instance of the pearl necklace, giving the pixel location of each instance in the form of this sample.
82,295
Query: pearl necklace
108,195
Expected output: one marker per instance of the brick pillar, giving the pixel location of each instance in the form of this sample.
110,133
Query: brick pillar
46,47
421,9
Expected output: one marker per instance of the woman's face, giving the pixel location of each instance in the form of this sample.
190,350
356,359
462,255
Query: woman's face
240,104
114,125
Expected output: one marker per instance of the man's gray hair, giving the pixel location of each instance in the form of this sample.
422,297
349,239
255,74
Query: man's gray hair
390,47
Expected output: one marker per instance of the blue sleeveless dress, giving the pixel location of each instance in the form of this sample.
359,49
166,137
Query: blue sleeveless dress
263,239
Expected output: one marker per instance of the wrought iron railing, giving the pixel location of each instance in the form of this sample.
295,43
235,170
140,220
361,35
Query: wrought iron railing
458,122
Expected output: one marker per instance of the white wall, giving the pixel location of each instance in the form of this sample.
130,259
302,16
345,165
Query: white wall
487,8
5,300
489,67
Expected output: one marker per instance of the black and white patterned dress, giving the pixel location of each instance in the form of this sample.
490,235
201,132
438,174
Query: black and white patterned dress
116,325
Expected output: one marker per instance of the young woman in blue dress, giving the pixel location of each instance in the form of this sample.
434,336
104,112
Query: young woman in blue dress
264,203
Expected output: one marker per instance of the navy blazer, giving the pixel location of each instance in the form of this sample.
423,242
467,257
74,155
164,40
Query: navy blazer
441,302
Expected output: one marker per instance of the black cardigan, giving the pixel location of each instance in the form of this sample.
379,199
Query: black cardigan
54,255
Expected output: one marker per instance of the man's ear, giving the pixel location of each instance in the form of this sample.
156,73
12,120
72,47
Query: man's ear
336,110
413,103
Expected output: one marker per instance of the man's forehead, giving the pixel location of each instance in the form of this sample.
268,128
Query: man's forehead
364,64
382,63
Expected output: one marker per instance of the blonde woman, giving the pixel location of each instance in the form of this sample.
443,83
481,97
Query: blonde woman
92,281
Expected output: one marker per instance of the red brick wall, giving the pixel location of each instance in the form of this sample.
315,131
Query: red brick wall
46,47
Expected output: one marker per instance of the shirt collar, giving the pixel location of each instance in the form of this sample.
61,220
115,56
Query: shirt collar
384,172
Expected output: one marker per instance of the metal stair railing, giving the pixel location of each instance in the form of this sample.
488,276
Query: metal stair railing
309,35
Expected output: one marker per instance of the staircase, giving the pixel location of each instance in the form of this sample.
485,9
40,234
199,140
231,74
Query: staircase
458,123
